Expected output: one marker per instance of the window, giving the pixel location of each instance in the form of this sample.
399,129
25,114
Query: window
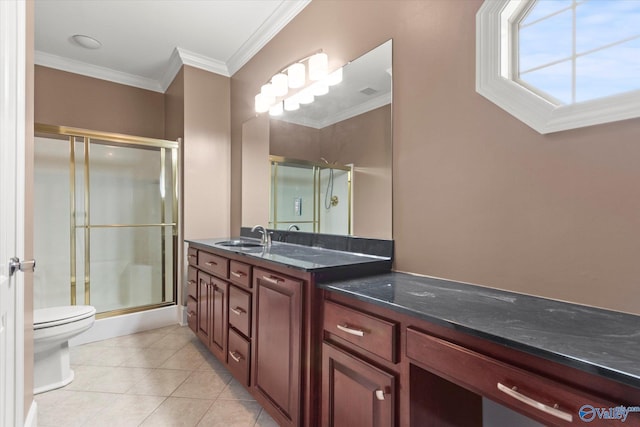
560,64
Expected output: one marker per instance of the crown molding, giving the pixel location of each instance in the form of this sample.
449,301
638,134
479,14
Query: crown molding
203,62
285,12
77,67
356,110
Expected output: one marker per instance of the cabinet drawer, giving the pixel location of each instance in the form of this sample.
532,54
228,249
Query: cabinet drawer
192,314
192,256
192,282
238,362
541,398
370,333
213,264
240,273
240,310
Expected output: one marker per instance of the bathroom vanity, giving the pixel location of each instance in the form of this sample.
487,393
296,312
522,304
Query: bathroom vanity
333,338
257,310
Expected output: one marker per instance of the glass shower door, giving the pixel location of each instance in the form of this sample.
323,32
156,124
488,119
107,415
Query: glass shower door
106,220
125,224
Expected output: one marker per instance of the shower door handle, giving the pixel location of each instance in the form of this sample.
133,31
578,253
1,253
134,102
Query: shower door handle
16,265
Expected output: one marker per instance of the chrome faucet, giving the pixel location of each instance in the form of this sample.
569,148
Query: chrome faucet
293,227
265,239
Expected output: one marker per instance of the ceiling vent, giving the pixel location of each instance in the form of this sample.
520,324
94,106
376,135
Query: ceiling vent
368,91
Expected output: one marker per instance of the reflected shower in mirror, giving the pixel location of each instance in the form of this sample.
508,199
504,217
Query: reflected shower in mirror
350,127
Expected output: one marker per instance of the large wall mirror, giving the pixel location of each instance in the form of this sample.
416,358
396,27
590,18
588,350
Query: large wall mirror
326,167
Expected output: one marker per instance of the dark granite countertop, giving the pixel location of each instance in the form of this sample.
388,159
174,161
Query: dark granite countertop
301,257
601,342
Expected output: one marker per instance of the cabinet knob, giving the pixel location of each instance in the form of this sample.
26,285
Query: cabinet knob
380,394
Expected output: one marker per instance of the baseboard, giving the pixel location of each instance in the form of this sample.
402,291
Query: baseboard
126,324
182,315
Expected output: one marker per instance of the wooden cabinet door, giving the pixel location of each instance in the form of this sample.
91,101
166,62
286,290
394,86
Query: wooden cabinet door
219,294
277,337
355,393
204,306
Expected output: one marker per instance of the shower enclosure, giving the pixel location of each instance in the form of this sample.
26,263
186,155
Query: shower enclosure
105,220
315,197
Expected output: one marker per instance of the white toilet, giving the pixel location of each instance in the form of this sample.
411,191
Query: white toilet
52,329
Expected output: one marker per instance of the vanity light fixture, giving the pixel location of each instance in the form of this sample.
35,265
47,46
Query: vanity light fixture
294,76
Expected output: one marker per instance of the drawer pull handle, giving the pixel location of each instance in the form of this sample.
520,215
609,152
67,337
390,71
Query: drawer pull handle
191,282
211,263
380,394
347,329
235,356
238,310
513,392
239,275
190,313
191,255
273,280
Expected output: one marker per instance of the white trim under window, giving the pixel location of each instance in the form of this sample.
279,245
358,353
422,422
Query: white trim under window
495,50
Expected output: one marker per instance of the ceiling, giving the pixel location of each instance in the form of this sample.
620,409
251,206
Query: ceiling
145,42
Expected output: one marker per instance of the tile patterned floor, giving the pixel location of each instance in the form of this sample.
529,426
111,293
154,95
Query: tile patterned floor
162,377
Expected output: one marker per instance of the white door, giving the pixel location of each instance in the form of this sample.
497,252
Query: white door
12,160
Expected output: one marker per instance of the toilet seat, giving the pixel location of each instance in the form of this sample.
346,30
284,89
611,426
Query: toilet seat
55,316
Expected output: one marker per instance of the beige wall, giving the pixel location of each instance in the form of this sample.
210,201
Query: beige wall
73,100
478,196
206,151
256,171
365,141
294,141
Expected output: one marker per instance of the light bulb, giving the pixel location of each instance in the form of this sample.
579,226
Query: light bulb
305,96
318,66
296,74
291,103
267,93
261,105
335,77
276,109
280,85
319,88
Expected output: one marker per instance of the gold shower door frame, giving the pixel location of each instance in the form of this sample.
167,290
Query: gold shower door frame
118,140
276,161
